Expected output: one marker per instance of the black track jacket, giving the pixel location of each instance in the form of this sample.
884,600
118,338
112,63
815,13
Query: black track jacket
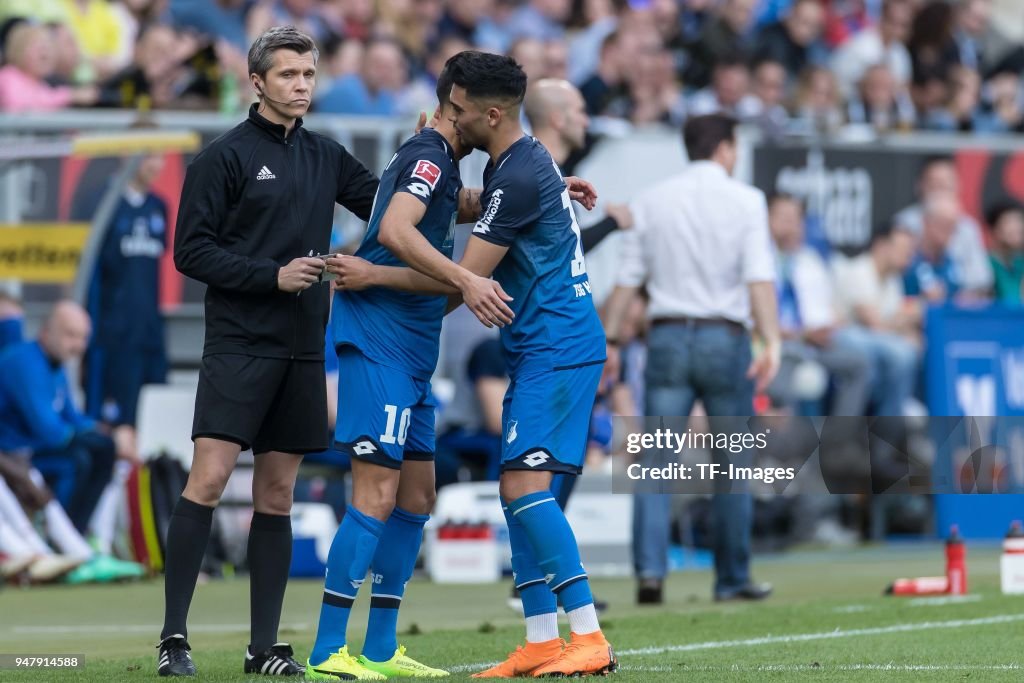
253,200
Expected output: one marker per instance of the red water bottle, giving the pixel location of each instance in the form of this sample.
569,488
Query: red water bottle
956,565
922,585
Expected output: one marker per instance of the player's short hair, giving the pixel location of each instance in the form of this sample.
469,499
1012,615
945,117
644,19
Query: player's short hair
261,53
444,80
703,134
488,76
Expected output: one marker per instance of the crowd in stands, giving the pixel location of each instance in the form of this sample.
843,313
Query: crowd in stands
789,66
852,326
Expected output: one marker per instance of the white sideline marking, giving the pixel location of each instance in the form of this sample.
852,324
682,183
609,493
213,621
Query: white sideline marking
883,667
940,600
827,635
850,609
139,628
799,638
843,667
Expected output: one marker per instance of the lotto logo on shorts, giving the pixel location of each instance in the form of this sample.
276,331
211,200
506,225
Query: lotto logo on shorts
364,448
538,458
427,171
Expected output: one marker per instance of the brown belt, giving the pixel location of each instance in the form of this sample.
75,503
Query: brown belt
735,327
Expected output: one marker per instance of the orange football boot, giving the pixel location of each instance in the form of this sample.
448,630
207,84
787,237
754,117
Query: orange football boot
585,655
525,660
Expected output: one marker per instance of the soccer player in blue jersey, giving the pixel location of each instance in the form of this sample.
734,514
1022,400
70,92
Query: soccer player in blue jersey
528,238
387,343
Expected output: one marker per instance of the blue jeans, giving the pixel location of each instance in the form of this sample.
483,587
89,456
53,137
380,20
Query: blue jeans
686,363
894,365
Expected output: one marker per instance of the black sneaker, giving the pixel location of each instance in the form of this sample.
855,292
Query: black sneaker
173,658
277,660
650,592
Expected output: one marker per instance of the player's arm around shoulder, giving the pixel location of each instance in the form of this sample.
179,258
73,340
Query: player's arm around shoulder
423,179
356,184
469,204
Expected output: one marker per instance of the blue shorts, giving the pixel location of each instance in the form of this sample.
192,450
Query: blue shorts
385,416
546,419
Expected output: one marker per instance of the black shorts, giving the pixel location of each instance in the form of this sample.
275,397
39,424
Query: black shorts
267,404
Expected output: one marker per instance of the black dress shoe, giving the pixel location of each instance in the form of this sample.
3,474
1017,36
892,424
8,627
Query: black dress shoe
750,591
649,592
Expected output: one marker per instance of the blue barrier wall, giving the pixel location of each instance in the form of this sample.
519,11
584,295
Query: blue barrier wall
975,367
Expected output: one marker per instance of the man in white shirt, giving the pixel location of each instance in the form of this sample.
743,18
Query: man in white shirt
700,244
807,318
883,322
884,44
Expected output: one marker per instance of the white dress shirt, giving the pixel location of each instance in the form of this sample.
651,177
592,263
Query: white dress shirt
699,238
813,286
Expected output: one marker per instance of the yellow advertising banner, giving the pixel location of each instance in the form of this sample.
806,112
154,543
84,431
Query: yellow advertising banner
41,252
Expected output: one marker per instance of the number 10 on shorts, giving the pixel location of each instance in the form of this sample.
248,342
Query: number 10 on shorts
403,425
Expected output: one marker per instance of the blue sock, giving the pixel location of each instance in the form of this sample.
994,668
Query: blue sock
347,564
554,546
526,573
392,567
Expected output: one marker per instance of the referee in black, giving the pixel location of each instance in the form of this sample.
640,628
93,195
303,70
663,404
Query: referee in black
256,204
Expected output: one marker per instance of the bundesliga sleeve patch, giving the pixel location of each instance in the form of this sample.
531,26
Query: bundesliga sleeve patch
428,172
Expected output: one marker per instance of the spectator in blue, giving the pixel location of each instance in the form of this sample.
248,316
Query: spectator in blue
305,15
11,319
726,33
38,414
220,19
375,91
542,20
793,41
933,274
128,349
462,18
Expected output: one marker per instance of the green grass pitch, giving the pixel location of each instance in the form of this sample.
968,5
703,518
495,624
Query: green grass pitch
827,621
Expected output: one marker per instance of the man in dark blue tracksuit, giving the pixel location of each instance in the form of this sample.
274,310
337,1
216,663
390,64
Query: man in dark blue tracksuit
128,347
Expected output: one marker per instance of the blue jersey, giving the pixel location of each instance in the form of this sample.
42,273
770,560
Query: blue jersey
37,409
124,301
528,210
401,329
